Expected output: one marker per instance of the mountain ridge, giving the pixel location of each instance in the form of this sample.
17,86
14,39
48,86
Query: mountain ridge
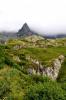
26,31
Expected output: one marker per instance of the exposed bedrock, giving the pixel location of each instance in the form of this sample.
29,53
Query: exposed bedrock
51,71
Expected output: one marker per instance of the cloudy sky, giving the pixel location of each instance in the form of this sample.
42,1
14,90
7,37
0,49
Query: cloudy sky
41,15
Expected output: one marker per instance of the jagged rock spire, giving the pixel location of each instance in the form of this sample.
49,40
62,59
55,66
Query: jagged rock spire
25,31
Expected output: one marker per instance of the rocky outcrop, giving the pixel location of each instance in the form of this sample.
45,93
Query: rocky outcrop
51,71
25,31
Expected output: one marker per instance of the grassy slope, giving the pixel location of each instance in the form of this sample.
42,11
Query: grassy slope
13,82
62,73
44,55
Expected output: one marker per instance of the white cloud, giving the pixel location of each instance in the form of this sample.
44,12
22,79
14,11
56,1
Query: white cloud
45,15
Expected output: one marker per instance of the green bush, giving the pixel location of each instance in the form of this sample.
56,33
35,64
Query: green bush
4,88
45,91
40,79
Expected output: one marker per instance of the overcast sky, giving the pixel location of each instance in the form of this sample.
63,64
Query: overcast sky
41,15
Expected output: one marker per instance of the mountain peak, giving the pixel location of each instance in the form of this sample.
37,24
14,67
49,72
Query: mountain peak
25,31
25,24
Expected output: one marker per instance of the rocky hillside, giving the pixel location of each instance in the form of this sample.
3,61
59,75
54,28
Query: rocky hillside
33,68
37,41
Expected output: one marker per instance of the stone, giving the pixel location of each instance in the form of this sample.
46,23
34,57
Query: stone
30,71
61,58
34,71
38,73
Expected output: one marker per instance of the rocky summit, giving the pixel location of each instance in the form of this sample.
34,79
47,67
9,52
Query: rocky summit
25,31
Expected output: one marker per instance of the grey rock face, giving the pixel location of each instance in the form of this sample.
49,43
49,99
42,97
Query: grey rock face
51,71
30,71
25,31
25,28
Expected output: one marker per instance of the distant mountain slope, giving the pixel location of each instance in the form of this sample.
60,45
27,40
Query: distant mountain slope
25,31
53,36
7,35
